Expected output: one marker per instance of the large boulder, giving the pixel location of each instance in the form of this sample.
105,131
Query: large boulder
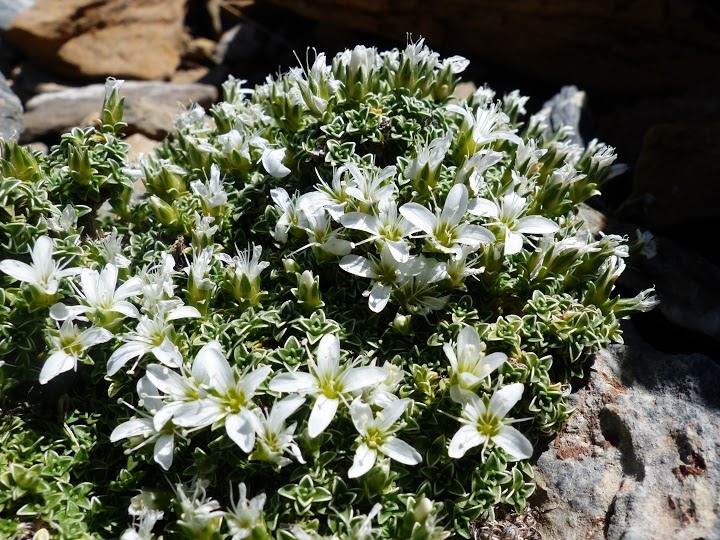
646,46
9,9
150,107
11,111
640,457
86,39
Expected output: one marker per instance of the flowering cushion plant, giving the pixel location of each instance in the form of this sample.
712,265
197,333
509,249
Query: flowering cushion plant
343,296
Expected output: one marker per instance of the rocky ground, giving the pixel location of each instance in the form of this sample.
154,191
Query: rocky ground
639,458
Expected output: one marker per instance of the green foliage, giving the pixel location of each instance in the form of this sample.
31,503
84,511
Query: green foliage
323,319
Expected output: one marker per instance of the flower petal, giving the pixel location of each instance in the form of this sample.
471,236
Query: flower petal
360,377
210,367
474,235
183,312
537,225
467,437
168,353
379,297
322,414
123,354
399,250
58,362
163,451
241,430
255,378
19,270
456,205
328,355
390,414
468,343
401,451
419,216
513,242
199,413
363,461
358,266
166,380
132,287
505,399
94,336
295,381
483,208
132,428
360,221
514,443
491,362
272,160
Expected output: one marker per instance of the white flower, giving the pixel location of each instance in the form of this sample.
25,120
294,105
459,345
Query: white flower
212,193
370,186
484,424
69,346
459,268
418,293
474,168
228,399
245,514
65,221
145,516
383,393
272,160
377,436
246,268
146,429
199,512
384,272
508,212
292,215
274,439
321,235
158,286
487,126
44,273
429,158
101,301
468,363
110,248
446,230
328,381
152,335
388,227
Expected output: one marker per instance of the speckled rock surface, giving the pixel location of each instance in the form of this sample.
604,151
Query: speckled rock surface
640,457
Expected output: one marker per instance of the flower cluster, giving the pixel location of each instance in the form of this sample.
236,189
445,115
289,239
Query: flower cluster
343,292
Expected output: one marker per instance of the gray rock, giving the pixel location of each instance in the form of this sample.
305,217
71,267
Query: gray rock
640,457
9,9
11,111
569,108
150,107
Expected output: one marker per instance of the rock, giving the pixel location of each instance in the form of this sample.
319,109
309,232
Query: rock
598,44
463,90
11,112
39,147
9,9
150,107
239,43
640,457
569,108
139,145
87,39
672,174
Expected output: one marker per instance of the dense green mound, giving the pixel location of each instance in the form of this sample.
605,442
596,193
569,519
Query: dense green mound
346,307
